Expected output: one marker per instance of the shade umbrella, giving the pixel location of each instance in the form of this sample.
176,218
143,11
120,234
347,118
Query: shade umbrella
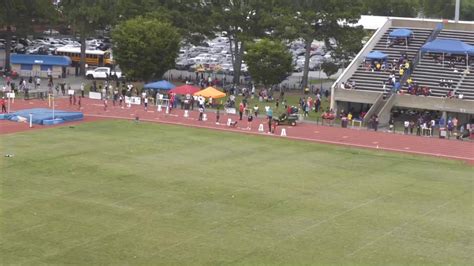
185,89
159,85
211,92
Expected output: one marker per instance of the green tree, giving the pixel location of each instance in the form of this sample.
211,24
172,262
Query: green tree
145,48
269,61
445,9
18,16
394,8
241,21
316,19
346,44
86,16
190,17
329,68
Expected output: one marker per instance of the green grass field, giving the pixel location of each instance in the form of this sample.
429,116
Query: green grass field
116,192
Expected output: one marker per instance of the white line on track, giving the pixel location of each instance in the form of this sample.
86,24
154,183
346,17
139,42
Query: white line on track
301,138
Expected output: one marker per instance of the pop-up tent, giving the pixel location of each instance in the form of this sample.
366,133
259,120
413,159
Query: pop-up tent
185,89
449,46
160,85
403,34
210,92
376,55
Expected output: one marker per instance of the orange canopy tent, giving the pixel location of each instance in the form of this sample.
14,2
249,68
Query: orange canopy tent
210,92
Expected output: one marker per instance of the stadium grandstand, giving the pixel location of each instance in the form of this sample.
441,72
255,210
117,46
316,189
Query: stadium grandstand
413,65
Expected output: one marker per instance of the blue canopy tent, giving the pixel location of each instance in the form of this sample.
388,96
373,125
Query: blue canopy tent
449,46
401,34
160,85
376,55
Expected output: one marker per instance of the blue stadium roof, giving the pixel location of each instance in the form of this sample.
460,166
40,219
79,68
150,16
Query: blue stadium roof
50,60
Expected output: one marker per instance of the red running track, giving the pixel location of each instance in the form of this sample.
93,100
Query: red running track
431,146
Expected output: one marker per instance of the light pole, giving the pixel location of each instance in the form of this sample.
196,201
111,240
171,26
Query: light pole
456,12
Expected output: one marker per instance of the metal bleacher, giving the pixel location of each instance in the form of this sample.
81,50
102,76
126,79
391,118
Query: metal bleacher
429,73
373,81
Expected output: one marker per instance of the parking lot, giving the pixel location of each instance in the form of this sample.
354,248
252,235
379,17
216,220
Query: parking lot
212,57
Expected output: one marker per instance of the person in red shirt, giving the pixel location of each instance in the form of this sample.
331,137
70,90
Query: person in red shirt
241,110
2,102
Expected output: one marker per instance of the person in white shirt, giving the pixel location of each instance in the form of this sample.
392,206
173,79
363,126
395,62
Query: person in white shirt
82,90
406,125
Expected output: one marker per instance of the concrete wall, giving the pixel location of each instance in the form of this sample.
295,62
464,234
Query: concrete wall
431,24
355,96
436,104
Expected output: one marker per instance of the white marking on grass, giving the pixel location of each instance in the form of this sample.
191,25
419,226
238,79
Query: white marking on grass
28,228
396,228
60,251
298,232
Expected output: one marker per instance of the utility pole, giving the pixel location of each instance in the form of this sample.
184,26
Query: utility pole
456,14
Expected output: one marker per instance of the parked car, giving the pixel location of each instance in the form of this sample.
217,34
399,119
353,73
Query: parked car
103,73
51,32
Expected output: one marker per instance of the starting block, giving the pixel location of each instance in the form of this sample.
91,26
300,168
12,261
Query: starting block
283,132
186,113
260,128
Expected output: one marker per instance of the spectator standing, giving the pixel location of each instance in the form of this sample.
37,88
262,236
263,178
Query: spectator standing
412,126
406,125
255,111
269,117
105,103
201,112
433,125
241,110
2,102
249,121
455,123
82,90
38,83
376,122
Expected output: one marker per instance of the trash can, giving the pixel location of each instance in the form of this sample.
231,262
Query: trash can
344,122
442,133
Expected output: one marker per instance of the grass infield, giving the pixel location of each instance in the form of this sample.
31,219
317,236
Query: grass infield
116,192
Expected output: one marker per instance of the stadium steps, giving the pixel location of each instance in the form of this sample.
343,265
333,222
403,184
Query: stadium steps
428,73
465,36
373,81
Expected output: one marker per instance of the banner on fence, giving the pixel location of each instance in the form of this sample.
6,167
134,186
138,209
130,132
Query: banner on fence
95,95
133,100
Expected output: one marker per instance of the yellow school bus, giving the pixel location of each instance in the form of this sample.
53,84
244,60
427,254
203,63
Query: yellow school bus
93,57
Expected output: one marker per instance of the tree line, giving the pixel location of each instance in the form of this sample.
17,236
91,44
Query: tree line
147,33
